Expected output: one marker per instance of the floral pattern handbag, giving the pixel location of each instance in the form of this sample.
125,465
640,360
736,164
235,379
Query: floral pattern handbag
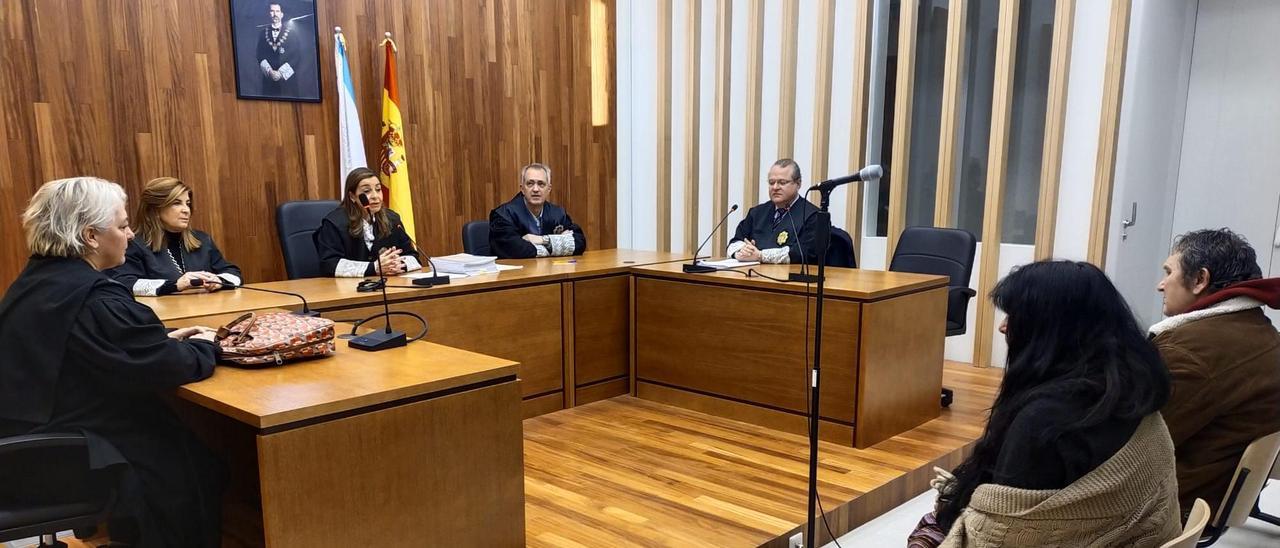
270,339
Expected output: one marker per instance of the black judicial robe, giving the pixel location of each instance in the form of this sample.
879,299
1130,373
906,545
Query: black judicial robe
510,222
334,242
140,262
79,354
760,226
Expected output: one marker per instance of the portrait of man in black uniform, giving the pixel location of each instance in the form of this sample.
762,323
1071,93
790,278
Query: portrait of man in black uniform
276,49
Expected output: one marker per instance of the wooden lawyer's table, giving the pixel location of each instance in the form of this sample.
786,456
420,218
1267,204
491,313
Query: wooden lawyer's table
367,449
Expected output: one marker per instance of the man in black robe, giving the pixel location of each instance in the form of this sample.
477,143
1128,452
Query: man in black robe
79,354
277,54
529,226
783,229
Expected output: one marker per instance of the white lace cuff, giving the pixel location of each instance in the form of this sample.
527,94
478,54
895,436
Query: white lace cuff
541,250
735,247
231,279
561,244
411,263
351,269
146,288
777,255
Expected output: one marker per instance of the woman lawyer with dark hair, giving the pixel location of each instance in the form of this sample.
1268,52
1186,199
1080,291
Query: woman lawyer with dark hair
349,246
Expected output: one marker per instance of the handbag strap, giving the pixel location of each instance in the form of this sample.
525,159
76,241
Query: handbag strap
228,329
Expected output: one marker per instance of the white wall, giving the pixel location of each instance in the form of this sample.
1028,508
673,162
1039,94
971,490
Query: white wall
1149,148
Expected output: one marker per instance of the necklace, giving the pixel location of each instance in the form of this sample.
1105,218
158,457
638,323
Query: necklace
277,44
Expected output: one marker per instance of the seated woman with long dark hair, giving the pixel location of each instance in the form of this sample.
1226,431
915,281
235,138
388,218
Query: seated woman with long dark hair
1075,452
166,255
349,246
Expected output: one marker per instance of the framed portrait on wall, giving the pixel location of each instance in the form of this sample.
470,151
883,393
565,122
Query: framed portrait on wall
275,45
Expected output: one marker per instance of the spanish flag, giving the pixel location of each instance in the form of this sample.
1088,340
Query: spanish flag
393,168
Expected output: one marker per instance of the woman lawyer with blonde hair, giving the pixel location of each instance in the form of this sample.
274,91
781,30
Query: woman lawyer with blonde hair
166,255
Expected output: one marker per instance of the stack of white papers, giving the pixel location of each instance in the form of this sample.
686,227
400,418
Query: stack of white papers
465,263
727,263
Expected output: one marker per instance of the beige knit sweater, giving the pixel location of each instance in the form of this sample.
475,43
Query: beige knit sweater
1129,500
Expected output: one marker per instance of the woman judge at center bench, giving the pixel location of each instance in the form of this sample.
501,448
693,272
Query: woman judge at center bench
348,246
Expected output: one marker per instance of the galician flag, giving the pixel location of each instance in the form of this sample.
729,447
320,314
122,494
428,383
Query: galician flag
350,140
393,166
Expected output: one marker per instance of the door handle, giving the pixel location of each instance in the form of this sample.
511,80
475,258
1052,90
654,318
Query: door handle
1133,220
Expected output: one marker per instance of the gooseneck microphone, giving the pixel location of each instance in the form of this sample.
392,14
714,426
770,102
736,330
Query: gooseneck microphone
693,267
306,310
869,173
434,279
386,338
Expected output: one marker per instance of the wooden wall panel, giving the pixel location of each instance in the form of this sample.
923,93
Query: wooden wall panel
129,91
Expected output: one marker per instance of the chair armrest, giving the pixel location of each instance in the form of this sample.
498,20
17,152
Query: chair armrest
968,292
40,441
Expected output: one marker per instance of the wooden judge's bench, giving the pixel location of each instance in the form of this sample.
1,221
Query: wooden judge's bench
424,442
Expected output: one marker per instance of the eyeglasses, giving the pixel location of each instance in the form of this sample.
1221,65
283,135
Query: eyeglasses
781,182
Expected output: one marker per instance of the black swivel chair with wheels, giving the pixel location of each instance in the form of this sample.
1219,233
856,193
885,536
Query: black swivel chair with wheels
475,238
296,222
943,252
48,487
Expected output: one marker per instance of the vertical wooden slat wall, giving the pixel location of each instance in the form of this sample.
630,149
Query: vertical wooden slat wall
1108,131
720,193
1054,128
997,167
664,167
751,125
949,128
787,80
861,36
818,168
692,120
901,156
125,93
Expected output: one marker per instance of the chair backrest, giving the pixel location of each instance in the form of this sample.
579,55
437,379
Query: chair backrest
475,238
1196,522
1255,465
296,222
940,251
49,485
840,250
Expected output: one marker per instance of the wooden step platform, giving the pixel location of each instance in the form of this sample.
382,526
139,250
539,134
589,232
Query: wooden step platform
630,472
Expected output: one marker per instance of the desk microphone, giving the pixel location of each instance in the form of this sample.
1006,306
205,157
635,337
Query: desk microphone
693,267
387,337
306,310
434,279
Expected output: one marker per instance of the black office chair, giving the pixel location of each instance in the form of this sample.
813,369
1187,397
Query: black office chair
475,238
296,222
49,487
943,252
840,250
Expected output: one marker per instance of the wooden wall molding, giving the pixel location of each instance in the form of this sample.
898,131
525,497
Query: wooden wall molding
997,169
751,125
126,95
818,167
1054,128
787,80
720,152
901,155
949,129
663,109
858,116
1108,131
692,121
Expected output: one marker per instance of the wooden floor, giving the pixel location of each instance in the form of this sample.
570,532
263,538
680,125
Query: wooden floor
629,472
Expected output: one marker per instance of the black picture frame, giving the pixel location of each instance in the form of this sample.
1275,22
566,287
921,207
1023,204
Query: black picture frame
295,55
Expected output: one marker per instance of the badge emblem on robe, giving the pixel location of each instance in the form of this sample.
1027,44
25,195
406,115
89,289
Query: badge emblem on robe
782,238
559,229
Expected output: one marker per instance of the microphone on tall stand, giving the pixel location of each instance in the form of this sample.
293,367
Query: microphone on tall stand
306,310
387,337
869,173
693,267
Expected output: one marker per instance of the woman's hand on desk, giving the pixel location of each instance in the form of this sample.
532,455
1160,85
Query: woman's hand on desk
211,282
389,261
194,332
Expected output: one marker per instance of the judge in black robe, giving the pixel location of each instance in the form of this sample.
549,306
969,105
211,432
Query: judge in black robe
152,273
79,354
346,255
517,232
783,229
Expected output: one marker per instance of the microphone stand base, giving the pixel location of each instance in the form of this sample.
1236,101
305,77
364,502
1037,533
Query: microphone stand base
698,269
378,340
803,278
431,281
